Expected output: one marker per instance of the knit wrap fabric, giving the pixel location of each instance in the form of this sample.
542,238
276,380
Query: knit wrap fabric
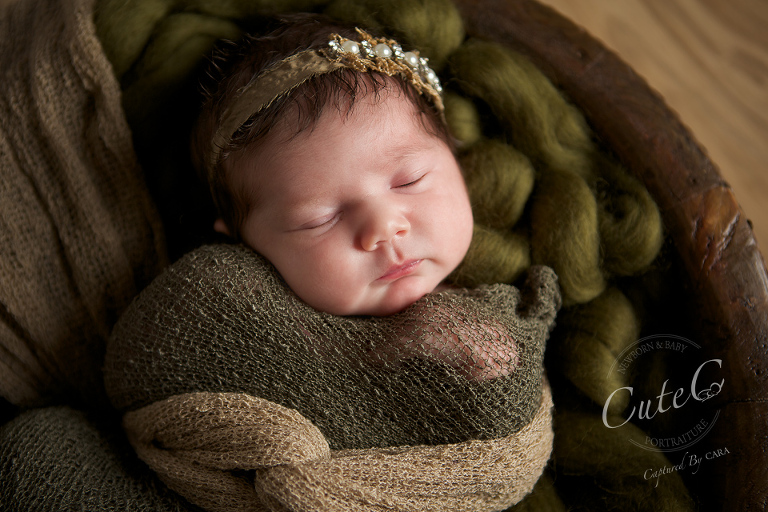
230,452
63,459
220,334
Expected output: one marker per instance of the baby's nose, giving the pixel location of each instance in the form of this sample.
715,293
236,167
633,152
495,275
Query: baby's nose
382,225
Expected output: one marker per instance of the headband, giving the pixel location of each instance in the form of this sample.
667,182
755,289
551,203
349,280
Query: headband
368,54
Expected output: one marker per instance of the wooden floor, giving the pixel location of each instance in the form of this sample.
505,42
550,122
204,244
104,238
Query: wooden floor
709,59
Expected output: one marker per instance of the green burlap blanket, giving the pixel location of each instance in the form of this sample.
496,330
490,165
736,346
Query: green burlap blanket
80,235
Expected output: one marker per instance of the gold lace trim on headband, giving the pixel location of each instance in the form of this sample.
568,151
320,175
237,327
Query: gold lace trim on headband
368,54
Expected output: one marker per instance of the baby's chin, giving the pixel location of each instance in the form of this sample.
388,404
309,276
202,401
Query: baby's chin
397,297
376,300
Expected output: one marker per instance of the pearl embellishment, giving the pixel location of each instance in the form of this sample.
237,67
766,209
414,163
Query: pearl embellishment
383,51
372,53
412,60
351,47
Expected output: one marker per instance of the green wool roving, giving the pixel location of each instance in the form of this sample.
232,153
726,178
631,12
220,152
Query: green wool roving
499,180
565,234
537,119
543,498
462,117
590,339
630,223
589,219
493,257
172,56
126,29
588,454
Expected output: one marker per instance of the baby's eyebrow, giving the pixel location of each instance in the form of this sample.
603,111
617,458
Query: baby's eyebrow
297,209
408,150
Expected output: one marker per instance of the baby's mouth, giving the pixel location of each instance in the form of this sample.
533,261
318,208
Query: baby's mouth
400,270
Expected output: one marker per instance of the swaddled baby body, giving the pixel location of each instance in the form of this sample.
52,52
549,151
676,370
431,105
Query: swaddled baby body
329,160
223,320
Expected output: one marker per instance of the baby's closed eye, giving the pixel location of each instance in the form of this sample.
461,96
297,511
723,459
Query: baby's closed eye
327,220
411,181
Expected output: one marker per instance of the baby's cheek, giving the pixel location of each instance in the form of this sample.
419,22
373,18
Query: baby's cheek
457,232
332,285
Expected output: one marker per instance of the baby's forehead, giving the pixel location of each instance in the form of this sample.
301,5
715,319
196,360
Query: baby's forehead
386,123
376,105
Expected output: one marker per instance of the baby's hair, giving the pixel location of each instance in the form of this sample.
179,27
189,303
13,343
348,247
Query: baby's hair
234,64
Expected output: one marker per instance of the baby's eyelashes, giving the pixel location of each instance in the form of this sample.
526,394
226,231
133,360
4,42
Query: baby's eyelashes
326,221
411,180
410,183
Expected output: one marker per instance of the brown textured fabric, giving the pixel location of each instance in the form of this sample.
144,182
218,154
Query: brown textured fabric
79,235
58,459
232,452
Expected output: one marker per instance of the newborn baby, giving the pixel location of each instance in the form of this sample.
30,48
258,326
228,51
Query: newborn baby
326,360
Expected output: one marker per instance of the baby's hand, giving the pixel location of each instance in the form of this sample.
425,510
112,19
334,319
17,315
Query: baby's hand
476,346
482,352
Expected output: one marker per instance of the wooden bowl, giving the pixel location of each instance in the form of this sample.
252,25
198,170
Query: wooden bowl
726,274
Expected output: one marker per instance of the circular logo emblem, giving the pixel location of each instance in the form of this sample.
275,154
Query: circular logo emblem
674,381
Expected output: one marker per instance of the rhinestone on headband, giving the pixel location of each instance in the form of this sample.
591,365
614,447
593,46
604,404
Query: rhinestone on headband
387,56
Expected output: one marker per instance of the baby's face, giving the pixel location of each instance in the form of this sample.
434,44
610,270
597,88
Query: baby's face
362,215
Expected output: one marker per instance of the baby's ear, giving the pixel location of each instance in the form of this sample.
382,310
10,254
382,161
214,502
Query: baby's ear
221,227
